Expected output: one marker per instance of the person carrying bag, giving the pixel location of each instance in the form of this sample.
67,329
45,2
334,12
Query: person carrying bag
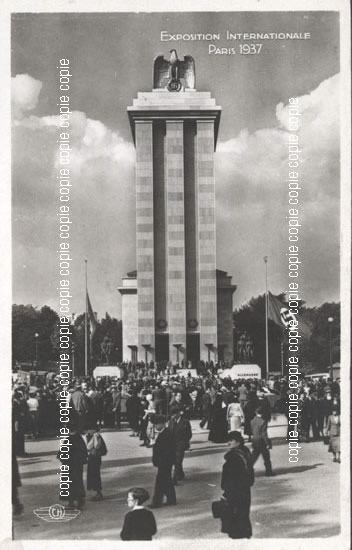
96,448
236,480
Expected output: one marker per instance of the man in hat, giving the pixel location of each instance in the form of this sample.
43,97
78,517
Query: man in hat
163,459
264,403
206,408
75,460
168,395
81,406
176,404
97,407
116,405
159,398
236,481
181,431
261,441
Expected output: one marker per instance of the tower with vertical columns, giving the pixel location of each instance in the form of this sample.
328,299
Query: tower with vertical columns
175,135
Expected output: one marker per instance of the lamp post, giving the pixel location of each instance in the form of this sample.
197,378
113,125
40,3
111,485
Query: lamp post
36,336
330,321
266,319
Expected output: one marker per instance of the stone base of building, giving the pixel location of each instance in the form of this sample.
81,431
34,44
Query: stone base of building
162,345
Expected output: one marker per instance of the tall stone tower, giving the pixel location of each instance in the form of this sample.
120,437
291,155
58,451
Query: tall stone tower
175,129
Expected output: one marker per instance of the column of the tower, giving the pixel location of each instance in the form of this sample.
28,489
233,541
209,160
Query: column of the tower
174,173
145,239
206,239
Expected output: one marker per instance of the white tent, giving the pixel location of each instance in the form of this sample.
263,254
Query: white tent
108,371
242,371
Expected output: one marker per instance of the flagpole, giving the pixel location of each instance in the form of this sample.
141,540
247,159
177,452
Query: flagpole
86,324
266,318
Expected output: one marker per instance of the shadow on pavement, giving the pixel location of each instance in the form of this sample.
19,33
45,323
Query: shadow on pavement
293,469
292,524
324,531
40,454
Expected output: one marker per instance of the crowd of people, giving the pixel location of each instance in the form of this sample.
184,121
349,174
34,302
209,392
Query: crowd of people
158,405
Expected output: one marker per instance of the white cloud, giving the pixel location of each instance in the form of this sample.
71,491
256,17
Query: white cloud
89,139
252,195
324,99
102,200
261,157
25,92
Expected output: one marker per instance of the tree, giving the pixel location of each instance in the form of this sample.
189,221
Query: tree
26,322
317,350
48,321
314,354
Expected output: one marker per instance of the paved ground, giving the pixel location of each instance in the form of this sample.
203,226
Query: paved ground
301,501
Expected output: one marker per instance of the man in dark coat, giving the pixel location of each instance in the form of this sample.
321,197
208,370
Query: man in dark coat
159,398
264,403
168,395
80,404
16,480
309,417
19,415
77,457
17,505
227,396
236,481
163,459
176,404
249,413
261,441
116,406
181,431
132,411
206,409
218,429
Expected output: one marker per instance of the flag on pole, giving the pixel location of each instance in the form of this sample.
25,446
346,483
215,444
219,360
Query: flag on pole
281,315
92,321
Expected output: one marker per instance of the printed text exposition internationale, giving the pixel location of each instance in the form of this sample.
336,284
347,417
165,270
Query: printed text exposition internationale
166,36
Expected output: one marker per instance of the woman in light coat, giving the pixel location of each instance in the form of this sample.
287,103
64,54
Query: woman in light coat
333,428
235,416
149,414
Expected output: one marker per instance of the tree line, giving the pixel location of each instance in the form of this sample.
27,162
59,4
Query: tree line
314,353
28,321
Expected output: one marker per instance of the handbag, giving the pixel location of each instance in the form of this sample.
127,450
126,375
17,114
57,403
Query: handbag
103,448
326,440
219,508
100,450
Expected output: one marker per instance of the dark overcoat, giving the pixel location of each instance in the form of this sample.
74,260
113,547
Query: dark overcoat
236,481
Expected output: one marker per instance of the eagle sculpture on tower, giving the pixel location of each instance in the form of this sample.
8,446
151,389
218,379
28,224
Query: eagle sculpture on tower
174,75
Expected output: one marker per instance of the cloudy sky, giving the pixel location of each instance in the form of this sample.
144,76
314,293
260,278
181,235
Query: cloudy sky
111,58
